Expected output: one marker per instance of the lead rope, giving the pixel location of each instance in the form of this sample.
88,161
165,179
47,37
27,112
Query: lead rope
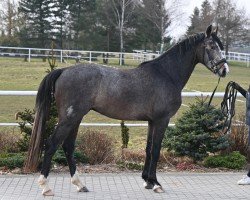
212,96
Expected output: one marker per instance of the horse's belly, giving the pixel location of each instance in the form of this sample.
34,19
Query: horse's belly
122,112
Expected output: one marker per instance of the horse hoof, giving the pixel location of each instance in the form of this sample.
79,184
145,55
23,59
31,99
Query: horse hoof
158,189
148,185
48,193
83,189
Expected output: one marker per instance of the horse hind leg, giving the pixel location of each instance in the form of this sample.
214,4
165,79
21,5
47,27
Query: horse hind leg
62,131
68,148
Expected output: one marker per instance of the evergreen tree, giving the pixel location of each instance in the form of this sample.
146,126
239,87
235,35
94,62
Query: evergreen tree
37,26
207,15
143,37
197,132
83,23
201,19
195,22
109,37
156,12
60,11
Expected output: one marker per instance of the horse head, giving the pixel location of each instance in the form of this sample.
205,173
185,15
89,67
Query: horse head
212,56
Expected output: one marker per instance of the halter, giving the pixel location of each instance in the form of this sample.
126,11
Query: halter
215,65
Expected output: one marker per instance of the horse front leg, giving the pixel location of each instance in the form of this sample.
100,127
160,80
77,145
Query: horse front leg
159,128
147,184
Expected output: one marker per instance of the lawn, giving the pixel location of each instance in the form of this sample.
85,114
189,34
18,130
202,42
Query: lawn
15,74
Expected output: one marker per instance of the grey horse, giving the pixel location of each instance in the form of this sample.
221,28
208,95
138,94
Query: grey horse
151,92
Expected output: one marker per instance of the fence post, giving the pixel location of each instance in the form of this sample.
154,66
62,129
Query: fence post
29,54
121,59
90,57
61,55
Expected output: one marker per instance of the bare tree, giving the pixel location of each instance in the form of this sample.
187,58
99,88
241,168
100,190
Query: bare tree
8,14
119,12
233,23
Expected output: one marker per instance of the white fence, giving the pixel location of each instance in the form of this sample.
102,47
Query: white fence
63,55
92,56
33,93
184,94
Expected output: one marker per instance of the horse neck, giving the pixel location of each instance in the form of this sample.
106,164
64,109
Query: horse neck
179,66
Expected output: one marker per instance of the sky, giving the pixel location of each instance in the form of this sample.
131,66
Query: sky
180,26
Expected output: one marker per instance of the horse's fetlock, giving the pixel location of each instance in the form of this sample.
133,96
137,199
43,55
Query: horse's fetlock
42,180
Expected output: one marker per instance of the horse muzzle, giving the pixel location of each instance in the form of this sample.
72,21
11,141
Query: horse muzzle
223,70
221,67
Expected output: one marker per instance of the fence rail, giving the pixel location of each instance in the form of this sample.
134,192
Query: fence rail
92,56
184,94
33,93
63,54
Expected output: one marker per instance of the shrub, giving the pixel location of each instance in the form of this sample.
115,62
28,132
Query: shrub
60,157
139,156
12,160
27,117
98,147
233,160
197,132
238,136
133,155
9,142
130,165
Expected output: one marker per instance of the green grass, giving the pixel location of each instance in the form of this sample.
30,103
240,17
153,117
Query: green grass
15,74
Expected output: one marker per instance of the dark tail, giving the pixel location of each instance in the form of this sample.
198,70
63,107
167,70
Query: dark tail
44,99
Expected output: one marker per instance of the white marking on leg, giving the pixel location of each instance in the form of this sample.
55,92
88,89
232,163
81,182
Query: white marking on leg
43,183
76,181
156,187
69,111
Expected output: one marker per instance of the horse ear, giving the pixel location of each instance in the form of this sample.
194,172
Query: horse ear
216,30
209,31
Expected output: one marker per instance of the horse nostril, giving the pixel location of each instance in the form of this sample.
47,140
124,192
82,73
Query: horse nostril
224,72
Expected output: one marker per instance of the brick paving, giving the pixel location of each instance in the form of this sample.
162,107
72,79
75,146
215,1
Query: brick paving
177,185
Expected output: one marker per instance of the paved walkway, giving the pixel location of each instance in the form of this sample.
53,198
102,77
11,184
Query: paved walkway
128,186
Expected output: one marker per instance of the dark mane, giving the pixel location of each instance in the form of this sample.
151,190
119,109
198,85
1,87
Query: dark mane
182,47
189,42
